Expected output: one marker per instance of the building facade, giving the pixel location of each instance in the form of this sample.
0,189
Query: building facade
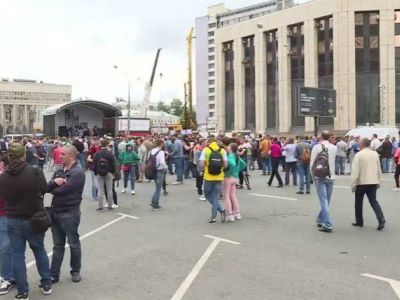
352,46
219,16
22,101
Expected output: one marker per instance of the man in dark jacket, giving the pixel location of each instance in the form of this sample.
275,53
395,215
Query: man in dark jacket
23,187
386,154
67,187
104,168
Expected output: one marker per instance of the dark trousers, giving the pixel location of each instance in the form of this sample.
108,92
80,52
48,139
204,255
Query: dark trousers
65,226
291,167
370,191
275,171
396,176
199,184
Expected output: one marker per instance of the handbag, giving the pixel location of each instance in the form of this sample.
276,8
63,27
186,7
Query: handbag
41,220
125,167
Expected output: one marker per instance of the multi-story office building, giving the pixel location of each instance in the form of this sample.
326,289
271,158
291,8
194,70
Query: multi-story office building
351,46
22,101
219,17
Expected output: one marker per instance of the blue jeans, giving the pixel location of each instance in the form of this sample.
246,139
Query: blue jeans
159,182
95,190
179,168
82,161
20,231
170,165
386,165
5,252
340,165
266,164
130,174
65,226
186,167
324,190
212,190
304,176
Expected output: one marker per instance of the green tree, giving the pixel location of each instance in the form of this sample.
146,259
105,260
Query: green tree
176,107
161,106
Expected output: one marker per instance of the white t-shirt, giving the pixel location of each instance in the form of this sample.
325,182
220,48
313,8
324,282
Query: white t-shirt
160,158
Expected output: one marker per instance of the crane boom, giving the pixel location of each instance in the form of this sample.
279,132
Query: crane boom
149,86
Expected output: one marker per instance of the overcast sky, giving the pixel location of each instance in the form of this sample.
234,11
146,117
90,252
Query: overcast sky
77,42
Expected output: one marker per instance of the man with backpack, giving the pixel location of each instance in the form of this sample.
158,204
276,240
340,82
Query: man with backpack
213,160
322,163
156,165
104,168
303,155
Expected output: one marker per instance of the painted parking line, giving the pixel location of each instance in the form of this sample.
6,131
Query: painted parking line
199,265
395,284
274,197
122,216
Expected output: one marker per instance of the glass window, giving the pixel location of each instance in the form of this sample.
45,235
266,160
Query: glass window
321,47
397,41
359,19
359,42
227,66
373,42
397,17
373,18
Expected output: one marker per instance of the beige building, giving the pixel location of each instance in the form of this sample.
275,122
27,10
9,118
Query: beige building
22,101
352,46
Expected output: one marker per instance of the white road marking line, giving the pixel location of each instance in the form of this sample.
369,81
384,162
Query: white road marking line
123,216
199,265
274,197
128,216
395,284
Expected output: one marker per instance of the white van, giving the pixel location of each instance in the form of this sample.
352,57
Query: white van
367,132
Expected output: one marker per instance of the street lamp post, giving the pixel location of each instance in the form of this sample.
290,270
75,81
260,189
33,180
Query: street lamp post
129,99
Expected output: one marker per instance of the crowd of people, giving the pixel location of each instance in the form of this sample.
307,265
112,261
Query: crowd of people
221,165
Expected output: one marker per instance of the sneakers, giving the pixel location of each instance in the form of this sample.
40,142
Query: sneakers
24,296
133,193
396,190
178,182
46,290
99,209
115,206
76,277
165,193
4,286
202,198
212,221
230,218
238,216
123,191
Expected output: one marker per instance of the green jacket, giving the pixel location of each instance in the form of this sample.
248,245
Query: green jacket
128,158
235,164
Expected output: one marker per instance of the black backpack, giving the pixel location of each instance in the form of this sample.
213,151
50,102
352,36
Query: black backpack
215,162
103,166
150,168
320,167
